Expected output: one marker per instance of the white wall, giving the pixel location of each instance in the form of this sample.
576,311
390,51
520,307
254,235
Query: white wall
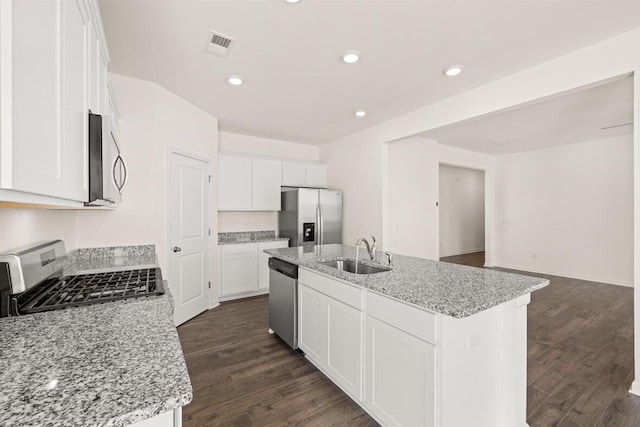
461,210
412,197
25,227
356,168
259,147
568,210
152,119
363,151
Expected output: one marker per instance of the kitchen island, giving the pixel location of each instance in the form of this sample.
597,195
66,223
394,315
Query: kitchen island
111,364
425,343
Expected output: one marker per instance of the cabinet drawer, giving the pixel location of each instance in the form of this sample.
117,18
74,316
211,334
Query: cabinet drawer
333,287
413,320
240,248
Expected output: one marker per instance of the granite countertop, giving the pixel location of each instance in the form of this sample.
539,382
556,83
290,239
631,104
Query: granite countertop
450,289
108,364
236,237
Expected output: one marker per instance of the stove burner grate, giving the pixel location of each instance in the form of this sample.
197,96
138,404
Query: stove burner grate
71,291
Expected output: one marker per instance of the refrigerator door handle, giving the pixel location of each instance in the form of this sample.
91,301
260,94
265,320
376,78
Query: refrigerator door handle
320,224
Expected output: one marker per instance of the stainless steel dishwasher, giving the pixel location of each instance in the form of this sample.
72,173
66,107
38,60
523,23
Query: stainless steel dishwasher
283,301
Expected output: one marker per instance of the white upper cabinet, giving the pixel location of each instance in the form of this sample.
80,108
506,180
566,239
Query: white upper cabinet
266,179
46,51
234,183
316,176
44,140
304,174
294,174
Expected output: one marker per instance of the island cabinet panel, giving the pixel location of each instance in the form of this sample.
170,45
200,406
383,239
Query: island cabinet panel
330,332
344,346
312,324
400,376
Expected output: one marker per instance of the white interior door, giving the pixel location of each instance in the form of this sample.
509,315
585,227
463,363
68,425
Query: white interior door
189,261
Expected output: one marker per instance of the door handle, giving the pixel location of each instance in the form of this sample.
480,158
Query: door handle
177,249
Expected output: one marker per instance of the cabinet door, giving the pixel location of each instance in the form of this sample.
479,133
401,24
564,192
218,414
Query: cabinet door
294,174
266,179
344,346
73,115
234,183
238,269
45,152
316,176
263,262
92,66
312,324
400,376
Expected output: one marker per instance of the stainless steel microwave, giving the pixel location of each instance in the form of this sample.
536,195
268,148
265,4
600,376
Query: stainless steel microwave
108,173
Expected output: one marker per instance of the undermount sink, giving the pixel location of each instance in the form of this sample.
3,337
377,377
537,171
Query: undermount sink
350,266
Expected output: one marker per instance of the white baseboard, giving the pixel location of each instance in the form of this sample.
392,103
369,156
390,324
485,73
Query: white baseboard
565,274
215,304
469,251
635,388
244,295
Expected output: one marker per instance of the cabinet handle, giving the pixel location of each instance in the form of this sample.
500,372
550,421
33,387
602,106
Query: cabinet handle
177,249
120,185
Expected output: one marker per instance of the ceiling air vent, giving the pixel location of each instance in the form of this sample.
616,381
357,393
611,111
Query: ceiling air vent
220,44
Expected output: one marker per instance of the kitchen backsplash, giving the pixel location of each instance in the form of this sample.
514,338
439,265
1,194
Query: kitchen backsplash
247,221
114,251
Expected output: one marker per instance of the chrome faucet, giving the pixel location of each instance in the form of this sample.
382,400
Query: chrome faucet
389,257
370,248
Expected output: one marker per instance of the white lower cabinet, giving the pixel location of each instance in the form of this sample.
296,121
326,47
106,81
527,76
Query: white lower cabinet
330,332
344,346
165,419
244,270
312,324
408,366
238,269
400,376
263,262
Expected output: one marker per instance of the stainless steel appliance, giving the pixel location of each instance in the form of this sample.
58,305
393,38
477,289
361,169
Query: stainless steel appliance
283,300
310,216
108,173
31,281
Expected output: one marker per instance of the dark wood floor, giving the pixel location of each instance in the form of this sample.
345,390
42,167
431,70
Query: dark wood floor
242,376
580,364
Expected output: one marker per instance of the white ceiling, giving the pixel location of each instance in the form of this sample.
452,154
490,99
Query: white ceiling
563,119
297,88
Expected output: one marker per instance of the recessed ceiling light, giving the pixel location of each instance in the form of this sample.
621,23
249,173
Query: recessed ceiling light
350,56
235,80
453,70
360,113
292,1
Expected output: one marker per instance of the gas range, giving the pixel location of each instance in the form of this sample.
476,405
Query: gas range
31,281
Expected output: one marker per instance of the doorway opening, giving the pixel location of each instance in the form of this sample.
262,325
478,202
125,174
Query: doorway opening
462,215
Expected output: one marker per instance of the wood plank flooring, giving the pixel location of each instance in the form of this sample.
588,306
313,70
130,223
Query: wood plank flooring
580,364
580,353
242,376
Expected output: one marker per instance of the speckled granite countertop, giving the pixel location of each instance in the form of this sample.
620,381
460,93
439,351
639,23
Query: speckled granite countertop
235,237
451,289
108,364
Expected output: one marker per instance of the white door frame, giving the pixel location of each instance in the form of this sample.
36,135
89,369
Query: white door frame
213,302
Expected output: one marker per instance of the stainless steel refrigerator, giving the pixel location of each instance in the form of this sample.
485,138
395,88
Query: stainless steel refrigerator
310,216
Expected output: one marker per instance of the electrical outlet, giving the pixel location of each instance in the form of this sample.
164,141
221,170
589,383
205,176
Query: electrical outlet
473,341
